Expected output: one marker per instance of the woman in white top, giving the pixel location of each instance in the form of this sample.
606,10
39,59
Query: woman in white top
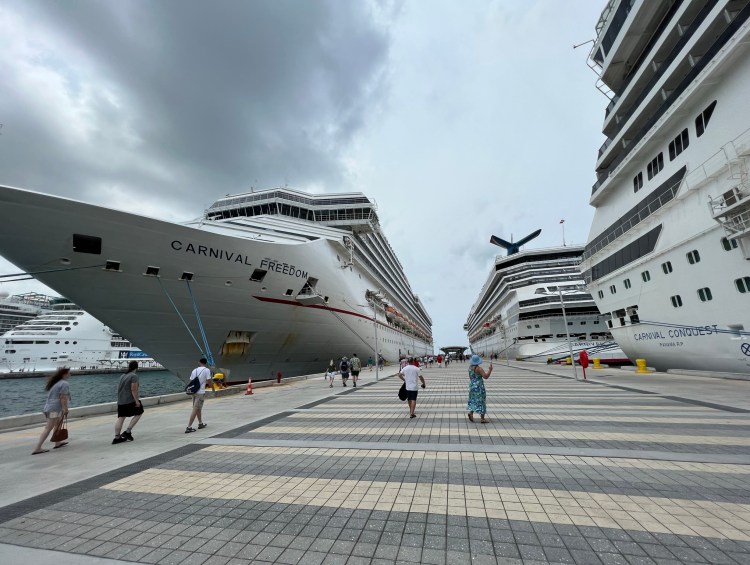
56,407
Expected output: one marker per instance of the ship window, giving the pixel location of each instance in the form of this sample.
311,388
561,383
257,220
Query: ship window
596,321
186,276
152,271
679,144
601,294
289,292
87,244
638,182
743,284
326,299
702,120
705,294
258,275
612,289
112,266
656,165
728,244
693,256
666,267
41,342
676,300
583,323
646,276
626,282
570,323
536,325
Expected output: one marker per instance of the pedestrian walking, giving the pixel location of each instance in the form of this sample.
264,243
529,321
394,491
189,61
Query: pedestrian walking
411,374
56,407
356,366
440,360
203,374
477,392
331,372
344,368
128,404
369,363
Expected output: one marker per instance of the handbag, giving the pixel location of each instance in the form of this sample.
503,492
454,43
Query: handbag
402,392
61,431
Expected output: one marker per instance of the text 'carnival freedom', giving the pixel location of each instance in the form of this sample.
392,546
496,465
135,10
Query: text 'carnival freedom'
234,257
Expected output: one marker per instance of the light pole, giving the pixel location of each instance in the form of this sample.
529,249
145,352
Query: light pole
375,322
565,321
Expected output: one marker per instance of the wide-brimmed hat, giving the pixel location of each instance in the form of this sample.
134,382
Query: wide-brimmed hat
475,360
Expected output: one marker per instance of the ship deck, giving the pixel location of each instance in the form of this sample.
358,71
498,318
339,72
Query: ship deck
621,468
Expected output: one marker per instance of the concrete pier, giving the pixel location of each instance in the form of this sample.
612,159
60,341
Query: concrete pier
622,468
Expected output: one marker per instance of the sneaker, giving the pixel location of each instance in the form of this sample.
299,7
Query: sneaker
354,383
201,426
127,435
118,439
189,430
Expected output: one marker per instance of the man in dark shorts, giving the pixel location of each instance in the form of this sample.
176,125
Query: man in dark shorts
411,375
356,367
128,404
344,369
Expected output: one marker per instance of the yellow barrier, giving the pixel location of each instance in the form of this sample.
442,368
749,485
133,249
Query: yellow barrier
642,368
568,361
597,363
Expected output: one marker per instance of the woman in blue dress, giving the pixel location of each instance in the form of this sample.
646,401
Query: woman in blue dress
477,393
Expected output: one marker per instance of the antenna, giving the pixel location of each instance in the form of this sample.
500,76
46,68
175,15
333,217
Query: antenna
584,43
513,248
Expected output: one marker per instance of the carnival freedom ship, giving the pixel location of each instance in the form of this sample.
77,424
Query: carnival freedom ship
667,256
519,312
63,335
266,282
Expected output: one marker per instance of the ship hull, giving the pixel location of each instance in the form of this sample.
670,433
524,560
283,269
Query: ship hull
168,317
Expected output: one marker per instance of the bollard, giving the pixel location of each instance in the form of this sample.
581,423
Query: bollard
641,364
218,381
597,363
278,377
568,361
249,386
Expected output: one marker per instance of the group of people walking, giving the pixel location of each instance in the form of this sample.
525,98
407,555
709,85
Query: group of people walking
129,404
346,366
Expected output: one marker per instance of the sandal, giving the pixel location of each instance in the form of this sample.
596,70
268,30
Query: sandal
63,444
471,416
483,421
38,452
189,430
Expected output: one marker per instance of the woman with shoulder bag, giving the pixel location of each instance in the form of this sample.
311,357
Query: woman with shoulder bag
477,393
56,407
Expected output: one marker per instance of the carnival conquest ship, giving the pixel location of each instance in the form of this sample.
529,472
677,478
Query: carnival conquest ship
534,307
63,335
667,256
266,282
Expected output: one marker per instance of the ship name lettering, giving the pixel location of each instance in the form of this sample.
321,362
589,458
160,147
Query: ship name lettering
207,251
284,268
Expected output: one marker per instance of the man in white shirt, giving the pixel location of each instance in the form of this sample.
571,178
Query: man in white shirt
411,374
203,373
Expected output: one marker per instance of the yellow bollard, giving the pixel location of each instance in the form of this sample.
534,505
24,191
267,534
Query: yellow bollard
597,363
218,381
568,361
641,364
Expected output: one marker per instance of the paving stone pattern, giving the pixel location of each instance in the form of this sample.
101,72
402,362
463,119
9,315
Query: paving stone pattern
354,480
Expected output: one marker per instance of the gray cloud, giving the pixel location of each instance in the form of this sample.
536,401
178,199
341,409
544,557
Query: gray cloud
185,101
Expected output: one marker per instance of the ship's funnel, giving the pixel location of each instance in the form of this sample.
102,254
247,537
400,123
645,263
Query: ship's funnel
513,247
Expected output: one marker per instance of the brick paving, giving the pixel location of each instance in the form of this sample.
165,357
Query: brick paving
564,472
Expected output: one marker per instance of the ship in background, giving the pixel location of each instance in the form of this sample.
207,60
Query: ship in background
668,254
265,282
63,335
16,309
534,307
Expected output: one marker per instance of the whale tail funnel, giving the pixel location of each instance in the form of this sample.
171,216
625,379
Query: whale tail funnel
513,247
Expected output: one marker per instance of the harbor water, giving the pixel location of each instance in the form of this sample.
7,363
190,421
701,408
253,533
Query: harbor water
27,395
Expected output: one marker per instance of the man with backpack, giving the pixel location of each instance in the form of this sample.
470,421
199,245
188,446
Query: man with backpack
344,368
202,374
356,368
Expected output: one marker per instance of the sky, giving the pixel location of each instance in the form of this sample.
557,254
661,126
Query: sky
459,119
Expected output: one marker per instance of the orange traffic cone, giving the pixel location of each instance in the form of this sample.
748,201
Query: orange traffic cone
249,386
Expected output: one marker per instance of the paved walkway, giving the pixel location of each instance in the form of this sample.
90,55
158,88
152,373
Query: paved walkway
564,472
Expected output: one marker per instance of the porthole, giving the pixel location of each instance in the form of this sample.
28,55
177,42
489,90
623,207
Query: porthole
743,284
676,301
646,276
600,294
612,289
705,294
666,267
693,257
626,282
728,244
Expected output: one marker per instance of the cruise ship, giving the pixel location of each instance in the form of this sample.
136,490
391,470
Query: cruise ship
534,307
63,335
667,254
263,283
15,310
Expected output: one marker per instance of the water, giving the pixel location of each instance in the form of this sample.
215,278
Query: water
27,395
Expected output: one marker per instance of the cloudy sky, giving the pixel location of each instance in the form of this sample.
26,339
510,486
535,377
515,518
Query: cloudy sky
460,119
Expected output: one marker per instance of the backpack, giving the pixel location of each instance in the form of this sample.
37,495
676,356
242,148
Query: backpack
344,366
193,386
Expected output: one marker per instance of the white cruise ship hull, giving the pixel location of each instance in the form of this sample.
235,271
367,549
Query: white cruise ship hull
676,166
281,333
